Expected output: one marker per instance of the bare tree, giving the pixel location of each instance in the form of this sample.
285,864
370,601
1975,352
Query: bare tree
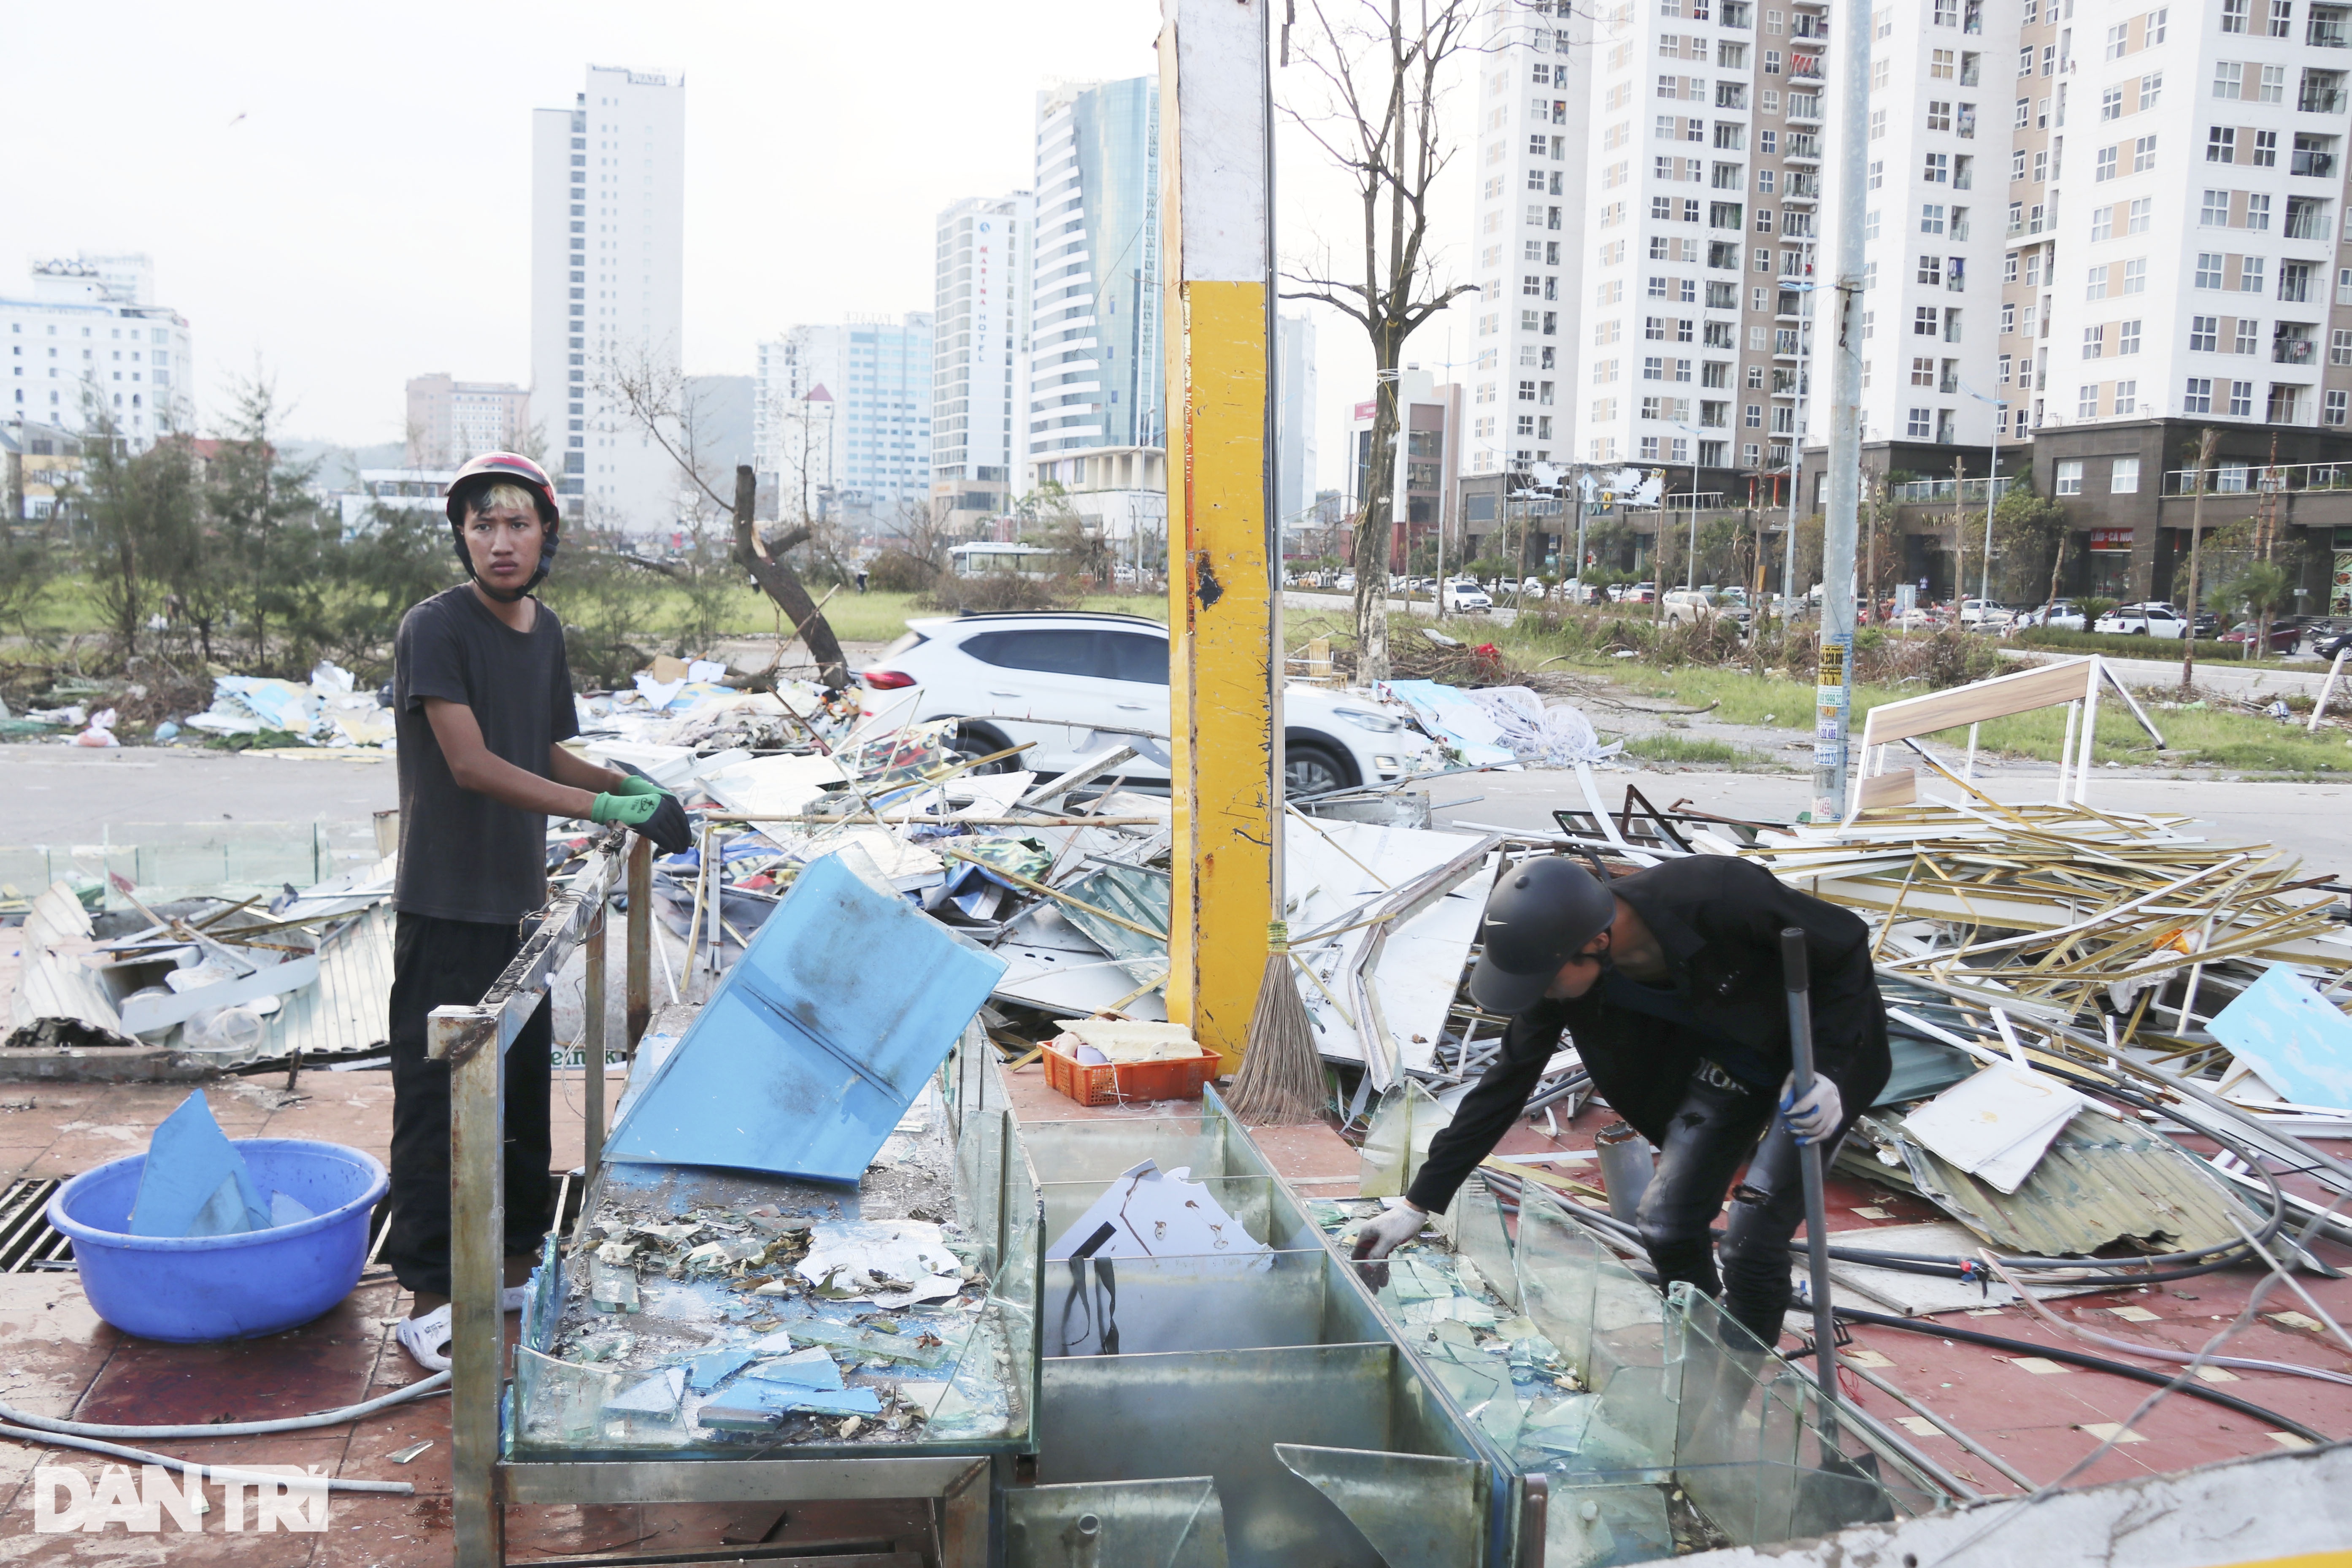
652,393
1382,65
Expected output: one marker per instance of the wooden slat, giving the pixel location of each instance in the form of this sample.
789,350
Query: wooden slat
2002,695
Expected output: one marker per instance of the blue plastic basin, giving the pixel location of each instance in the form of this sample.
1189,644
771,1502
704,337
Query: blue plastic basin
189,1289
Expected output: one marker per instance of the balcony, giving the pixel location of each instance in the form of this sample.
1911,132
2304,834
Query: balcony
1805,109
1804,70
2329,33
2316,165
1801,148
2294,350
2321,100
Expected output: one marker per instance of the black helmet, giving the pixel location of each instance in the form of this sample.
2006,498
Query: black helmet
496,469
1538,915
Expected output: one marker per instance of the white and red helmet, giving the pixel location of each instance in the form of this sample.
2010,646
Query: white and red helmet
496,469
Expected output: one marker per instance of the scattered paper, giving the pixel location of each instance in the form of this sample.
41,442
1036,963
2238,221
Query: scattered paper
848,1262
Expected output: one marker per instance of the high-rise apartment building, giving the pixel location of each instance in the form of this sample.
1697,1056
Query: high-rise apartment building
2090,231
451,421
88,337
1095,422
980,319
1294,420
607,287
842,412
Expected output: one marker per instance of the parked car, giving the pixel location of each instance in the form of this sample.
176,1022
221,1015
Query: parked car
2328,643
2283,636
1687,604
2150,619
1072,683
1985,615
2060,614
1347,583
1637,594
1465,596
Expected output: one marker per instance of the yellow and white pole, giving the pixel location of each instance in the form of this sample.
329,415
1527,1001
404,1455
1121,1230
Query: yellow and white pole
1225,609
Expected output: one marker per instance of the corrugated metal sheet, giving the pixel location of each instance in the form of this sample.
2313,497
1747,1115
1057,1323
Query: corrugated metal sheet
2102,1182
349,1008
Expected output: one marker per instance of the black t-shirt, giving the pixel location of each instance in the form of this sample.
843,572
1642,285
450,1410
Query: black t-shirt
463,856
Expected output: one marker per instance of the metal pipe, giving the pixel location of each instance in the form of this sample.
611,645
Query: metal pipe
1627,1164
640,1000
1834,685
592,1041
1945,1427
1794,975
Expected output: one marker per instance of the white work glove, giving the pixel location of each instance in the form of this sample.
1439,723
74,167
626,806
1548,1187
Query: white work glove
1383,1235
1816,1115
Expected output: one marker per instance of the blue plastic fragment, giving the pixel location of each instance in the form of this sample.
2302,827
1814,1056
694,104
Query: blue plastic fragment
657,1395
189,1161
810,1368
705,1373
830,1402
818,1039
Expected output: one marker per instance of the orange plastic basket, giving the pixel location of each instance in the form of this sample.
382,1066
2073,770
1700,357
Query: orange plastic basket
1109,1083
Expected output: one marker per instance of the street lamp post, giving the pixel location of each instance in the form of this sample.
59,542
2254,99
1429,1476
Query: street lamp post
1690,556
2000,417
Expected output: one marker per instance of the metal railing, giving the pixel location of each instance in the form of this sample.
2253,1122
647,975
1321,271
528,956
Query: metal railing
2227,478
1920,492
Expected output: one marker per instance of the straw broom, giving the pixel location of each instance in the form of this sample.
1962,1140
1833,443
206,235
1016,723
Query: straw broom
1281,1078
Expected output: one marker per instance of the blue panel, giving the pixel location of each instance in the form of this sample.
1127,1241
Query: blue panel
816,1041
189,1161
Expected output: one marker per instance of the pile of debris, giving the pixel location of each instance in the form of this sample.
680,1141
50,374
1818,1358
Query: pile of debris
200,986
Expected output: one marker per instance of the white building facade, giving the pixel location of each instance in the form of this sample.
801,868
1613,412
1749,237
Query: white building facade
842,414
87,337
607,288
1095,390
980,319
1294,420
452,421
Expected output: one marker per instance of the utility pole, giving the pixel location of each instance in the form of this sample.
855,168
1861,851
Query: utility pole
1797,439
2206,442
1225,614
1833,689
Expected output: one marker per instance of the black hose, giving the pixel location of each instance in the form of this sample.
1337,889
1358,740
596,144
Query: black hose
2096,1363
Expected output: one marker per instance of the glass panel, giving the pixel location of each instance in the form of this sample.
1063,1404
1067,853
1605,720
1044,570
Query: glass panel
1478,1235
1756,1457
1397,1139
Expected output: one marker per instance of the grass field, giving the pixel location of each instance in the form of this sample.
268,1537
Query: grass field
2194,737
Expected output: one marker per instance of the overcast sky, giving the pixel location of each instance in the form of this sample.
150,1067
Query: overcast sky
340,195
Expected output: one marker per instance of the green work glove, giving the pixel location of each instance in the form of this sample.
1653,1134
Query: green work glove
657,817
638,784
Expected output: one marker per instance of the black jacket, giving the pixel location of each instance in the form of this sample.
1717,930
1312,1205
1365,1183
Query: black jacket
1719,919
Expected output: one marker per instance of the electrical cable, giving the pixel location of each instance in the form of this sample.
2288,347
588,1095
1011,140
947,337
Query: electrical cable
2095,1363
437,1384
235,1473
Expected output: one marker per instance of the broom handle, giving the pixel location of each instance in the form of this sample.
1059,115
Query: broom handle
1794,975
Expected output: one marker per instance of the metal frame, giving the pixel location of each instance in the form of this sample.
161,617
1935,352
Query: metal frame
473,1041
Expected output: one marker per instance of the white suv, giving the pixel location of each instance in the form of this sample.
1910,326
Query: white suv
1072,684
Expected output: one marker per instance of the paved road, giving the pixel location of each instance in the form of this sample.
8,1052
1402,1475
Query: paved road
67,794
2315,821
2213,675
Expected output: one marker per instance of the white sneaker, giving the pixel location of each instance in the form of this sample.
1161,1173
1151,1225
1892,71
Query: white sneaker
426,1339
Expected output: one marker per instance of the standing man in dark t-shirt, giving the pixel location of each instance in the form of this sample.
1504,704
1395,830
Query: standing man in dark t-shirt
482,701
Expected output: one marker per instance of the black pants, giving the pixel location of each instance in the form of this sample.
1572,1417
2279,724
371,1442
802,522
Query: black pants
1714,1129
439,964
